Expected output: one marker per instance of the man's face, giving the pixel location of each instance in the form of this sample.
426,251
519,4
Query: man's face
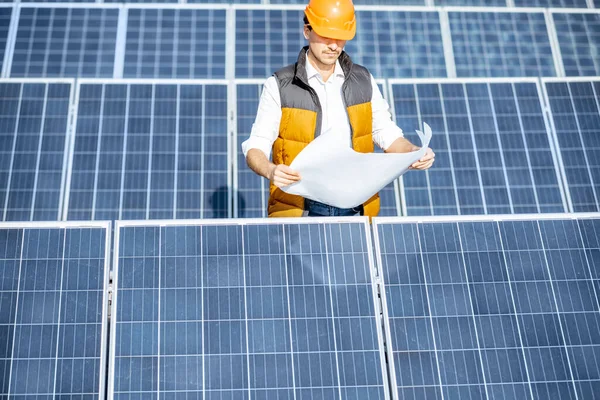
325,50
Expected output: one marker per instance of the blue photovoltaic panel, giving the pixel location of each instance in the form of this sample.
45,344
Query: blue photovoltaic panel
492,146
253,190
55,1
389,44
476,3
579,40
65,42
499,44
173,43
33,126
142,1
389,195
266,40
261,311
150,151
493,310
52,292
226,1
551,3
361,2
575,109
5,16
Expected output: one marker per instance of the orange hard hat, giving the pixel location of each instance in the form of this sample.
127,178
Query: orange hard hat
332,19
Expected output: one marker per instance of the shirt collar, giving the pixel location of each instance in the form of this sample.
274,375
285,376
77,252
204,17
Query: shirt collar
311,71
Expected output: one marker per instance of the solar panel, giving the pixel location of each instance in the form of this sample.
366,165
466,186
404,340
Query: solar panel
253,190
227,1
492,146
34,120
579,40
551,3
150,150
65,41
175,43
501,44
389,43
476,3
145,1
55,1
575,113
52,310
361,2
492,309
5,16
246,309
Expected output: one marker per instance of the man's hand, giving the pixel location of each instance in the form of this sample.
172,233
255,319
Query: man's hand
426,161
281,175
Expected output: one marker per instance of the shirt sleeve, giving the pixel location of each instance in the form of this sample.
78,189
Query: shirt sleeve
268,117
385,130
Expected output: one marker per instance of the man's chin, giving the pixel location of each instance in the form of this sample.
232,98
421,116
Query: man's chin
328,60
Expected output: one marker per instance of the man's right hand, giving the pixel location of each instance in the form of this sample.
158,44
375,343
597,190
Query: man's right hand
281,175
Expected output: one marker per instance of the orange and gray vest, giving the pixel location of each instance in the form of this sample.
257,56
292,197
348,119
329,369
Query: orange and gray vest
301,118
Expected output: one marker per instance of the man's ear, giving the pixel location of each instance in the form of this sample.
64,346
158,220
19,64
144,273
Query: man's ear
306,33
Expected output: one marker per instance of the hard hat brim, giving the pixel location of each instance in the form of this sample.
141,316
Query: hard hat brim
337,34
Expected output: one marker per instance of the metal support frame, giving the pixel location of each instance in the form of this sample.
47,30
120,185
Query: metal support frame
11,39
121,42
553,37
447,43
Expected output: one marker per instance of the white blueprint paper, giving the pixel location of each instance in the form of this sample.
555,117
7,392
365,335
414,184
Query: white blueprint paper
335,174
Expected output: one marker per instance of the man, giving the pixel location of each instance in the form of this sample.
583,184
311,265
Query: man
323,93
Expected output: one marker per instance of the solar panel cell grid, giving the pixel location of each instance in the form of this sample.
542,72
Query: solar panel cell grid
145,1
492,133
399,44
551,3
362,2
5,16
579,41
172,43
150,151
34,128
65,42
498,309
476,3
56,1
227,1
241,311
501,44
53,286
252,189
576,117
409,44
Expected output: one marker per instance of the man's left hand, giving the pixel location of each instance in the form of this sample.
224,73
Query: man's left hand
426,161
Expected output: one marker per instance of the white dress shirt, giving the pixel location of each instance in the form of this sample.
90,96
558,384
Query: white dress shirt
334,115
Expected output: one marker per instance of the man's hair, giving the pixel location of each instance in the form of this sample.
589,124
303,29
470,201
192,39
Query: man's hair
307,23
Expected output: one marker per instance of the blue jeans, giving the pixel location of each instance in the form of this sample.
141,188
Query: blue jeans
316,209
